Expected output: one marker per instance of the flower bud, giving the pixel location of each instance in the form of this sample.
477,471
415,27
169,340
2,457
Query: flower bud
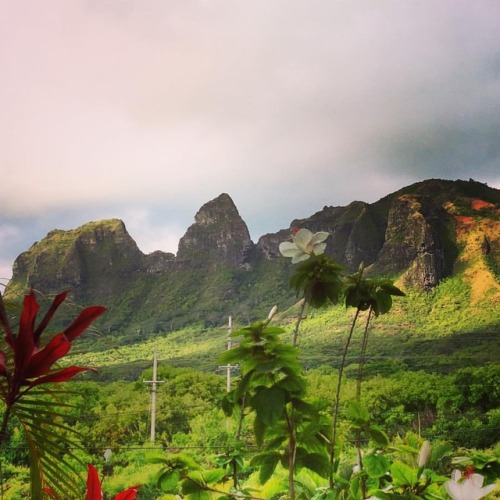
272,312
424,454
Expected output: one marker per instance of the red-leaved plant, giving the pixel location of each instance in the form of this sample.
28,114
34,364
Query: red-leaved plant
26,366
94,491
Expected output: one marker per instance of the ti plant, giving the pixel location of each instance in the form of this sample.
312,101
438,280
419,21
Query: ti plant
27,372
288,430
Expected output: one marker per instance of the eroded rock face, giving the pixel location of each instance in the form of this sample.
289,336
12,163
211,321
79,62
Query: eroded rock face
218,235
159,262
90,259
415,242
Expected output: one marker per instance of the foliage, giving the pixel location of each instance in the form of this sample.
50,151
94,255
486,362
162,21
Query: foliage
287,433
288,430
25,368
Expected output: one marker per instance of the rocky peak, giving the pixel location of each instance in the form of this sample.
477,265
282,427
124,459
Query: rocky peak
415,242
218,235
89,259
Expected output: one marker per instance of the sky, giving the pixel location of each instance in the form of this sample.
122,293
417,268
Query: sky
145,110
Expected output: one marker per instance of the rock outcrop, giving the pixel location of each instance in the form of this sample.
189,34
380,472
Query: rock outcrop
415,242
91,260
218,235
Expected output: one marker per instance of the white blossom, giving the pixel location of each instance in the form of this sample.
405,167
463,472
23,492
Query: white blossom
303,245
467,488
424,454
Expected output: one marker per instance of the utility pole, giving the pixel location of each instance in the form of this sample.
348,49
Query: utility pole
229,368
154,390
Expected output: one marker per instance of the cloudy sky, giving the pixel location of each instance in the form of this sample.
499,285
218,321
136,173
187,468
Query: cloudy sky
146,109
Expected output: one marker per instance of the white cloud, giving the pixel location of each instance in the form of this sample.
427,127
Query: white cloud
161,106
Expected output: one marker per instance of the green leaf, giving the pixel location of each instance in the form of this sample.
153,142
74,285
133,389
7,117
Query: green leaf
384,301
382,495
268,403
393,290
169,480
156,459
378,436
227,406
355,488
232,356
195,487
214,475
376,465
259,429
358,413
184,461
317,462
267,462
403,475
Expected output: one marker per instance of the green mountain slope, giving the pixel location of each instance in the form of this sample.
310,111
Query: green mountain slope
439,239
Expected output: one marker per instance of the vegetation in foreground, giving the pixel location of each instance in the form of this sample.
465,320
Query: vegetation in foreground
286,433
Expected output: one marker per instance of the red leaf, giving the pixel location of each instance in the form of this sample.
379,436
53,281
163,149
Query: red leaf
93,484
60,375
24,344
3,364
41,362
59,299
50,492
83,320
129,494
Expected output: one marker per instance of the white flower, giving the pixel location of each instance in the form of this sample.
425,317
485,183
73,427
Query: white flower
303,245
469,488
424,454
272,312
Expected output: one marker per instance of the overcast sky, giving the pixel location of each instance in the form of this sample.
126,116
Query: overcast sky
146,109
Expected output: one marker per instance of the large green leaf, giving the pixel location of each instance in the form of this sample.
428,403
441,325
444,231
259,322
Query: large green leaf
168,480
317,462
376,465
268,403
403,475
267,462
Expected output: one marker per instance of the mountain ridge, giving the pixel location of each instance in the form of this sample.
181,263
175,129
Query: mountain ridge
412,234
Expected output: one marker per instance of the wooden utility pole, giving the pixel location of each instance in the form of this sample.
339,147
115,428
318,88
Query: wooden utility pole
229,368
154,389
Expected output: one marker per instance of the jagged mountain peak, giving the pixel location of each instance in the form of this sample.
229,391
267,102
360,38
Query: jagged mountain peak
218,234
217,210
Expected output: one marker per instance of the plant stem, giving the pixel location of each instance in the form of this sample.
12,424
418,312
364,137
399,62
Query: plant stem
3,431
238,438
292,445
362,356
299,320
337,395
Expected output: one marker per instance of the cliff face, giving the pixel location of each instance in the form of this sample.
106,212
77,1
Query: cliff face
218,235
91,260
411,234
416,241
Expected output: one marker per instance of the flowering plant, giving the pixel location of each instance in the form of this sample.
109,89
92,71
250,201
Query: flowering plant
304,244
94,491
468,486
